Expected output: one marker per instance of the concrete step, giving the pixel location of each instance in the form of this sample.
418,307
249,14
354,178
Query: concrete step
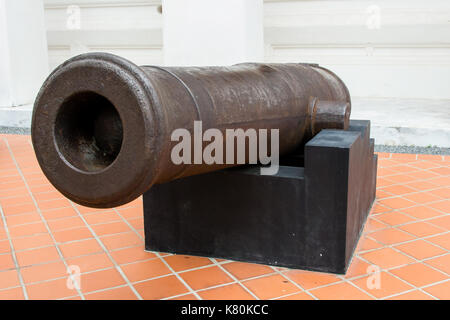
16,119
406,122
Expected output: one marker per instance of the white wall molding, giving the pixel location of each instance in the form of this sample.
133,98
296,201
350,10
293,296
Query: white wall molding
59,4
107,17
350,54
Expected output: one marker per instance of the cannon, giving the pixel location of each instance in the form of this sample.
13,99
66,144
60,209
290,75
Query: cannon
103,132
102,126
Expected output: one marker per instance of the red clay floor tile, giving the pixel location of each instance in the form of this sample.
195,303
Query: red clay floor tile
205,277
272,286
440,290
37,256
386,258
99,280
144,270
419,274
297,296
228,292
391,236
122,293
32,242
340,291
310,280
412,295
421,229
12,294
442,240
242,270
43,272
133,254
420,249
441,263
121,240
91,262
160,288
9,279
382,284
80,248
182,262
50,290
72,234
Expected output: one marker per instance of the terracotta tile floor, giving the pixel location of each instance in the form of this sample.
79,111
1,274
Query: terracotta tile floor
403,253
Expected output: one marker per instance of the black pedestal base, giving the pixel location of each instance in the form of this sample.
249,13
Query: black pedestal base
308,216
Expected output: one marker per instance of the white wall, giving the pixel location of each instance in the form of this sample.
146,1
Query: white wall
212,32
23,52
381,48
406,55
132,29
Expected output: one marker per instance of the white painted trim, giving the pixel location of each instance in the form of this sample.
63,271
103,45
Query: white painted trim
58,4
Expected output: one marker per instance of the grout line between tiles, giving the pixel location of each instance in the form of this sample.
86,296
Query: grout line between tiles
293,282
13,254
214,261
161,258
39,212
392,246
404,292
106,251
387,270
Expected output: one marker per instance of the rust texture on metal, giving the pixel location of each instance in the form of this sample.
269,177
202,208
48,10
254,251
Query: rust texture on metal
102,126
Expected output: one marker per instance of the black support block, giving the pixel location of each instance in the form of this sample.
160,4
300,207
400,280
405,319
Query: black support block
308,216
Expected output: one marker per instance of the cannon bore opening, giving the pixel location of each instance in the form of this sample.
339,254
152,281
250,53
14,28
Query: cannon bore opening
88,131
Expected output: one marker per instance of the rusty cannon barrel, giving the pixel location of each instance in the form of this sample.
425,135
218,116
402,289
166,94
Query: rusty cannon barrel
102,126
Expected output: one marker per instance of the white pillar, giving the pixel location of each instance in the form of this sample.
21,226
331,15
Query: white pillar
23,51
212,32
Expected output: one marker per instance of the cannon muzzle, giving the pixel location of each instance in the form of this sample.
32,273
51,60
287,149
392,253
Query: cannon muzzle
102,126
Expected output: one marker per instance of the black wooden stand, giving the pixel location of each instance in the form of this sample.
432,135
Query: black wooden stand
308,216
